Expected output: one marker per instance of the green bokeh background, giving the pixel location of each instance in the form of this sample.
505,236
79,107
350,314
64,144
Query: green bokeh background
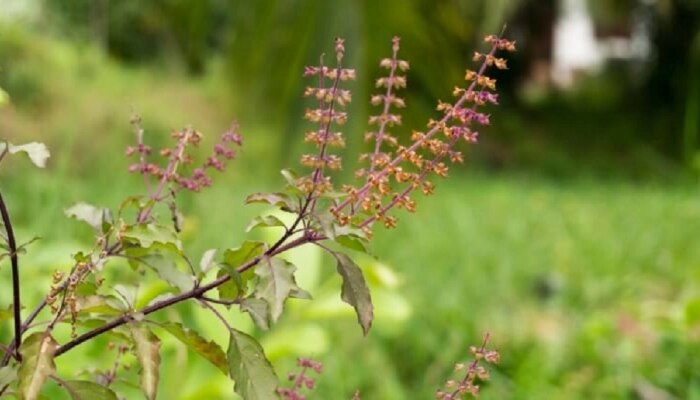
570,234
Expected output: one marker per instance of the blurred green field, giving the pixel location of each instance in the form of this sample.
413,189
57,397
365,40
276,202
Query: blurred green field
590,288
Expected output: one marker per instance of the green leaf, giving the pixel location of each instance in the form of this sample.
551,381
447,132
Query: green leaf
156,258
135,202
168,271
38,152
266,221
207,349
146,235
207,260
147,351
290,176
151,290
232,259
352,242
87,390
86,288
7,376
107,305
126,295
87,213
258,311
254,377
276,284
353,238
236,257
232,288
281,200
21,249
328,224
299,293
107,220
348,230
355,291
37,364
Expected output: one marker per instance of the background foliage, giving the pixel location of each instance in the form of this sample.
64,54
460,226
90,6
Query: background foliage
571,239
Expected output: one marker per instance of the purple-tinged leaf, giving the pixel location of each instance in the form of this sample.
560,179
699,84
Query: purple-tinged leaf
355,291
254,377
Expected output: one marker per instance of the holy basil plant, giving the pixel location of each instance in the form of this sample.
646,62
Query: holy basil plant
140,240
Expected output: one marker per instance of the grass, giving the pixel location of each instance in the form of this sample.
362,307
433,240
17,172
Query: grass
588,290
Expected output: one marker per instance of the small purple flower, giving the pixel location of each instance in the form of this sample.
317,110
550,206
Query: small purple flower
488,97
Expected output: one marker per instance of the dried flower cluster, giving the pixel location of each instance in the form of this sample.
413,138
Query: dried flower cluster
467,385
67,289
301,380
396,170
221,153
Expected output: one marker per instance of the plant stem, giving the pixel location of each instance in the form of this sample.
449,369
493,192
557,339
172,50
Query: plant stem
194,293
471,369
318,172
16,298
445,119
112,250
406,191
218,315
379,138
170,170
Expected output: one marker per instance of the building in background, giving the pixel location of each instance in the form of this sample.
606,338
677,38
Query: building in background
581,47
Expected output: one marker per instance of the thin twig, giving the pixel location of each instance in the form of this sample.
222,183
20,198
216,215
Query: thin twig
5,150
219,301
111,251
218,315
432,132
16,298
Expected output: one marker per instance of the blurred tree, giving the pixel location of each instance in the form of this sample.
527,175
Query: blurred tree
267,43
135,30
673,80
